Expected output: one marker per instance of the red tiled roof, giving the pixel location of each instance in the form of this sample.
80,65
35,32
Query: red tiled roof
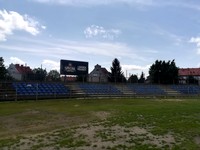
23,69
189,72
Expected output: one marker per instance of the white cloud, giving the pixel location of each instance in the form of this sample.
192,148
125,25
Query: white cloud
50,64
11,21
62,48
16,60
98,31
135,67
43,27
56,49
197,42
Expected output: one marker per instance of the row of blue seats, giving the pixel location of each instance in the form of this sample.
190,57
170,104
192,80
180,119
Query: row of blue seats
147,89
40,89
101,89
187,89
23,88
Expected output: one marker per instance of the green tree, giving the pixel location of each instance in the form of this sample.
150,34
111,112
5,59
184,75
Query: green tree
142,78
54,75
133,79
164,72
39,74
3,71
116,72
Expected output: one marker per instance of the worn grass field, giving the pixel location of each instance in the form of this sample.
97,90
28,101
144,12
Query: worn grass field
87,124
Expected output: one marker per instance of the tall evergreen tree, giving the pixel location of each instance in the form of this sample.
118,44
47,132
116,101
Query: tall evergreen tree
142,78
3,71
116,72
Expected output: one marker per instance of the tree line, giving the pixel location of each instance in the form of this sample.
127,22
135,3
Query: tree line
160,72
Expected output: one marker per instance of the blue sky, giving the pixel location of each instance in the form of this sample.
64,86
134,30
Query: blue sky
137,32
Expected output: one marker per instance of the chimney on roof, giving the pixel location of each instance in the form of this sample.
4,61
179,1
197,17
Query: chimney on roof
97,66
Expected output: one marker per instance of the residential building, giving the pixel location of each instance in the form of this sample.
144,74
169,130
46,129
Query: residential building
185,73
98,74
19,72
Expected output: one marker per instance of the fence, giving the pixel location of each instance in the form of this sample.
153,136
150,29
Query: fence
49,90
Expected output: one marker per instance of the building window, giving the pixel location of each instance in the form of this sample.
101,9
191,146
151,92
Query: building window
95,75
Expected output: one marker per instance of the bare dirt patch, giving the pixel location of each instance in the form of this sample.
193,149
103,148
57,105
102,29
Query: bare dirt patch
197,140
101,114
118,135
95,136
172,100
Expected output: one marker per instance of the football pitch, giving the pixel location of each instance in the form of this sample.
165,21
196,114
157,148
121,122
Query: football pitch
98,124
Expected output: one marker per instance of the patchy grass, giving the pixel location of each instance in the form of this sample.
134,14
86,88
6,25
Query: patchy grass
101,124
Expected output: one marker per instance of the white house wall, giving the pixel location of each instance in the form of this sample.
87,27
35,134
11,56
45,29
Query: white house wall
14,72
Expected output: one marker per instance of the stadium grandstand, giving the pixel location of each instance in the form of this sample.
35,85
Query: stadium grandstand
45,90
97,84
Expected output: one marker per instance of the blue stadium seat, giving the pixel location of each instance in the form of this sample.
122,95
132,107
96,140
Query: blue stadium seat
146,89
187,89
23,88
99,89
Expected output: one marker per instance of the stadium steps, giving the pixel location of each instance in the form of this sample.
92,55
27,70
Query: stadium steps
169,91
75,89
124,89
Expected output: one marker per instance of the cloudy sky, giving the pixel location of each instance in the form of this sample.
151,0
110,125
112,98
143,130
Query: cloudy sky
137,32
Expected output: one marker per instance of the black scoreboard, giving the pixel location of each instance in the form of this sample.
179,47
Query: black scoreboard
71,67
